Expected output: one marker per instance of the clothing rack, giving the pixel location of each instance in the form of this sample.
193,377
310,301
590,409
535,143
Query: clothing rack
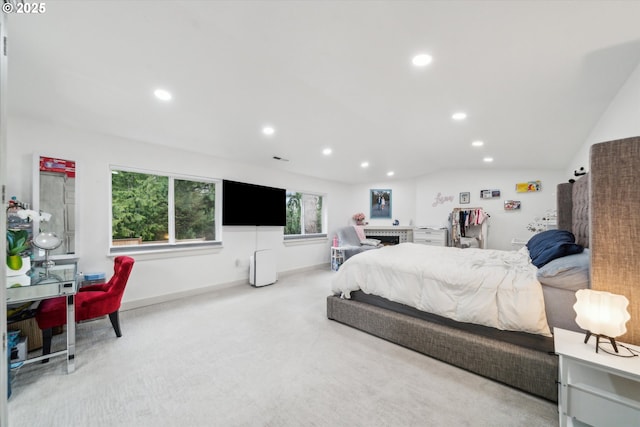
469,227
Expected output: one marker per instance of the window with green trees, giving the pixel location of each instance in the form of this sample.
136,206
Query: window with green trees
152,209
305,214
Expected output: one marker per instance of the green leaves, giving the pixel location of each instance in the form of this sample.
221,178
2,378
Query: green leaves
17,241
140,207
139,203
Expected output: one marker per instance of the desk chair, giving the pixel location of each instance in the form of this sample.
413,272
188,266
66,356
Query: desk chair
90,302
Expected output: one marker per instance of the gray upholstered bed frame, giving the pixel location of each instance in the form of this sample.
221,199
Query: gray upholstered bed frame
530,370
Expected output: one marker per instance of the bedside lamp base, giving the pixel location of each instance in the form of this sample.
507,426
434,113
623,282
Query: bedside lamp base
598,336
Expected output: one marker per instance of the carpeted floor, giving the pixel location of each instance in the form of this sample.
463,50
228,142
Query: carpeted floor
247,356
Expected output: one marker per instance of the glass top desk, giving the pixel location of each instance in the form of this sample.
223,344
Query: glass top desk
40,285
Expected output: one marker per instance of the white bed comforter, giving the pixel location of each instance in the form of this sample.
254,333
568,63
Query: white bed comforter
488,287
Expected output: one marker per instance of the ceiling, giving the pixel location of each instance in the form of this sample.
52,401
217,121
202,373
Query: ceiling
532,76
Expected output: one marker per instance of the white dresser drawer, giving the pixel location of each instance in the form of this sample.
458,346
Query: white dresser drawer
430,236
595,388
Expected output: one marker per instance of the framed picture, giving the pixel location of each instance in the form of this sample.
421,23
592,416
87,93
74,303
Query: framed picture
511,205
489,194
380,203
465,198
528,187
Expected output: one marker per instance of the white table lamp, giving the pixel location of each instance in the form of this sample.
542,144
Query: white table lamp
602,314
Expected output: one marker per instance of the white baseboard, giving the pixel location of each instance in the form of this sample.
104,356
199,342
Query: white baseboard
144,302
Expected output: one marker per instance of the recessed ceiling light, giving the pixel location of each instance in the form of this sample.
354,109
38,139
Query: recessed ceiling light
390,173
327,151
488,159
162,95
364,164
477,143
459,116
268,130
422,60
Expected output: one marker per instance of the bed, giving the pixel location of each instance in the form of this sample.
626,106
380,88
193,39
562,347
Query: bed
501,329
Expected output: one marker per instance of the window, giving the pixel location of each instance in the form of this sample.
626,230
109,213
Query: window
149,210
305,215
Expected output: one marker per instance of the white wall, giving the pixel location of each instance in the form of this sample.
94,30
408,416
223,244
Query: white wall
503,225
620,120
157,276
403,202
413,200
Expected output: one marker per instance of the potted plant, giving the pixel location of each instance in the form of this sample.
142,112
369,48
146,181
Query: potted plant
17,243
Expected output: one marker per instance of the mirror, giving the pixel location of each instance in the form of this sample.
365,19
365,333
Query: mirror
54,192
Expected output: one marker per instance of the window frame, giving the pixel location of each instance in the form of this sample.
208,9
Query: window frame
172,245
324,215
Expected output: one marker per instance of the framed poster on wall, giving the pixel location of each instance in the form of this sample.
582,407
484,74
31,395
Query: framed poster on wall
528,187
380,202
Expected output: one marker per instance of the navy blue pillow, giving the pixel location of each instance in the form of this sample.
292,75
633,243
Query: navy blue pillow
551,244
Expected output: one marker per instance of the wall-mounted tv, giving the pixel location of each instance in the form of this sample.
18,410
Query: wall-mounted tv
250,204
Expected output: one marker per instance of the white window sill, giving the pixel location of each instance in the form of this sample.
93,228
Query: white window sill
164,251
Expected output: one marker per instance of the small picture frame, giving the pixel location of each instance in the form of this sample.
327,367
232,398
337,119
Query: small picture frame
465,198
489,194
511,205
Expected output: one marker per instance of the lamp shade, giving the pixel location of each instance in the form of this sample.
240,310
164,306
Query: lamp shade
602,313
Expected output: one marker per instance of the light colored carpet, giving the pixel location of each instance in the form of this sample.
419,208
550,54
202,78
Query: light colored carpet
247,356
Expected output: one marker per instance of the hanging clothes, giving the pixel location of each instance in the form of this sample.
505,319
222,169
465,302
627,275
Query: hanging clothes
468,223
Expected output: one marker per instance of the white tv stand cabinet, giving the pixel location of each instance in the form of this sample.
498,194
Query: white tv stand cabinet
597,389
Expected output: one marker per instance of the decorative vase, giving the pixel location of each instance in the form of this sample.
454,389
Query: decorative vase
17,265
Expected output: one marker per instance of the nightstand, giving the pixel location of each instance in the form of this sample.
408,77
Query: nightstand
597,389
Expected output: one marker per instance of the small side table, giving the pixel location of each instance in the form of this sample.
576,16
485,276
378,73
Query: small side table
337,257
597,389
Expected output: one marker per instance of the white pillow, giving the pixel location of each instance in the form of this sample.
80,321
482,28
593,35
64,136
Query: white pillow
569,272
370,242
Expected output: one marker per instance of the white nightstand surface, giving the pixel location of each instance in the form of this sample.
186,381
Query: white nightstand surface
571,344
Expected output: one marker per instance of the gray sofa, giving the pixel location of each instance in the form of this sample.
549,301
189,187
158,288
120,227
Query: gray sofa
348,238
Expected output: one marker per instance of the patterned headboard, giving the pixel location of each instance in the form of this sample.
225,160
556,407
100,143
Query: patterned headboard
580,211
602,210
603,213
615,224
573,208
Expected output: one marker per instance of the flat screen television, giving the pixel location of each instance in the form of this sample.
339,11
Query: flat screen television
250,204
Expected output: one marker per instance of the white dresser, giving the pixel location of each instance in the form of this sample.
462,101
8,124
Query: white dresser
597,389
430,236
